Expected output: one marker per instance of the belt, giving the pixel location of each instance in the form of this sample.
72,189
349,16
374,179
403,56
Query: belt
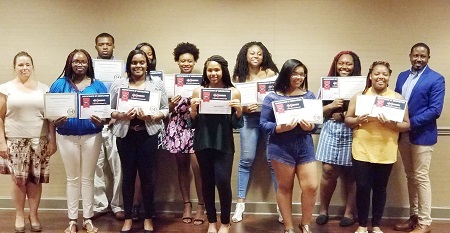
137,128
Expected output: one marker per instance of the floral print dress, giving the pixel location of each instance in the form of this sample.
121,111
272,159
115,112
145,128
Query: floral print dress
179,137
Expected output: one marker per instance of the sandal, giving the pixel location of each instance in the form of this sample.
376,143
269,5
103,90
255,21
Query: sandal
304,228
72,228
187,217
290,230
199,219
89,227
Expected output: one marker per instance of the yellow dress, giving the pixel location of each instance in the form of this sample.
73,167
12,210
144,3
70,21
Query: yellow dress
373,142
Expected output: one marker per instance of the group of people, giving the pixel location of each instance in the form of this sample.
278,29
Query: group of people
358,148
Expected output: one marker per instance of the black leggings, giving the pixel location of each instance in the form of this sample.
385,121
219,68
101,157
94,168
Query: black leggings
371,177
137,152
215,169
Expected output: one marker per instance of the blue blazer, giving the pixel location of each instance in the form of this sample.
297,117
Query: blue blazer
425,105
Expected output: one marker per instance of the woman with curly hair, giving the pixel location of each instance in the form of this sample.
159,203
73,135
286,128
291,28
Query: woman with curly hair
253,63
180,138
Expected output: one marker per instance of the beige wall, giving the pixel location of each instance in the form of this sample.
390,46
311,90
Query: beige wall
312,31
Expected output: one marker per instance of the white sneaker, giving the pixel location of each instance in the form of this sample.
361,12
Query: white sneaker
238,212
280,217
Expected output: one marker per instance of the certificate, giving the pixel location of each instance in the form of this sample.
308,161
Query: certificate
297,109
60,104
264,88
108,70
185,84
149,101
95,104
169,80
364,104
248,93
157,73
392,109
215,101
341,87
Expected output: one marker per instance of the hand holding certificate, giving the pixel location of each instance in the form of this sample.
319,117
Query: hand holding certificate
94,105
341,87
185,84
392,109
215,101
297,109
58,105
129,99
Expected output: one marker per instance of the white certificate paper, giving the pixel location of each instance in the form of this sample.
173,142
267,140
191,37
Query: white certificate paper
185,84
392,109
108,70
215,101
248,92
169,80
341,87
60,104
95,104
296,109
157,73
149,101
264,88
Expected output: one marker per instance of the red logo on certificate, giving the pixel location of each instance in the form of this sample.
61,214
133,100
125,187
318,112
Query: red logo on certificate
180,82
86,102
280,108
326,84
380,103
125,95
206,96
262,89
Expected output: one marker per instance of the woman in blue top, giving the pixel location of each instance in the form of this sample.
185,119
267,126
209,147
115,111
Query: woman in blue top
290,147
79,140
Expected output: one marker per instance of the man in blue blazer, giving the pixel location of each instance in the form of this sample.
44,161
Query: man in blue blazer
424,89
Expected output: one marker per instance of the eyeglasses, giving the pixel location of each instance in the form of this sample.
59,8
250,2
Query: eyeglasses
78,63
297,75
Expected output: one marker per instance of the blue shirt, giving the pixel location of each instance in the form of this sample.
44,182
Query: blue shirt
75,126
410,82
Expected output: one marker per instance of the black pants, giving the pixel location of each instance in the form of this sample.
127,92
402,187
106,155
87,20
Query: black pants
137,153
215,169
371,177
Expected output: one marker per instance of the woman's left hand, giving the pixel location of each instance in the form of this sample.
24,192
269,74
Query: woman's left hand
51,148
96,120
305,126
236,104
4,151
383,118
141,116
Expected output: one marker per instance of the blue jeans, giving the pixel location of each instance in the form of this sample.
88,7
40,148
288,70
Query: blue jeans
251,135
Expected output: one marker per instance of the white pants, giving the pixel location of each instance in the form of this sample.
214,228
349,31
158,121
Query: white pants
79,155
108,153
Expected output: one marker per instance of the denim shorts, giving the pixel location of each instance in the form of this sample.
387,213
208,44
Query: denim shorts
292,151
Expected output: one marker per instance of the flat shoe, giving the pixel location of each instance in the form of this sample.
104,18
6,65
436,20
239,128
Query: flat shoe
322,219
345,222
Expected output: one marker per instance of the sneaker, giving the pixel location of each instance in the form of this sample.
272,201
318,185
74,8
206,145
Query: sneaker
238,212
280,217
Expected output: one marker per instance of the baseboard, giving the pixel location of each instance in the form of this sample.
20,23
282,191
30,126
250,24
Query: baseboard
250,208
